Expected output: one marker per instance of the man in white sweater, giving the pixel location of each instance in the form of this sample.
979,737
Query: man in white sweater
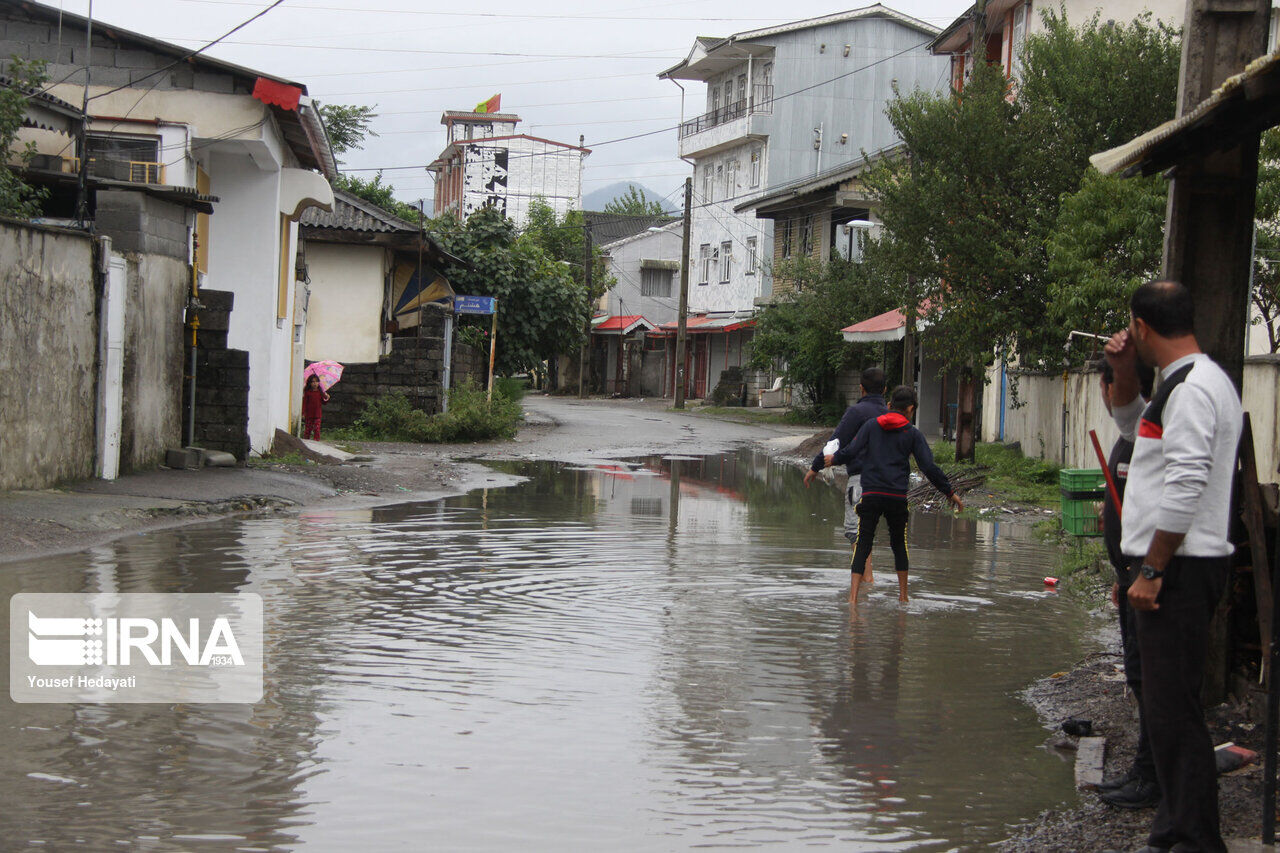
1175,518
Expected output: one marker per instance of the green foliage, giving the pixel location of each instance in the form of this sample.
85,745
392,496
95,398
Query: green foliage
511,387
377,193
471,417
1012,476
634,203
970,211
347,125
804,332
1108,239
542,310
1266,267
563,238
16,197
391,418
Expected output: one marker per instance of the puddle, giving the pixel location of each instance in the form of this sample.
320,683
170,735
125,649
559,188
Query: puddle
650,655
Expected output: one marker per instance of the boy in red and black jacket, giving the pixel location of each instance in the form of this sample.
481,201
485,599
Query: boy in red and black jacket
885,446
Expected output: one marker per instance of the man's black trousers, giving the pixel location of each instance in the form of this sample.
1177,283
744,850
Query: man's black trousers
1173,642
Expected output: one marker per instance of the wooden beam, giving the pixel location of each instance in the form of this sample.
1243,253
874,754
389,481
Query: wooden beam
1251,510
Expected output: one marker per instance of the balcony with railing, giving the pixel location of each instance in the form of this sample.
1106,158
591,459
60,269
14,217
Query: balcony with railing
726,125
133,171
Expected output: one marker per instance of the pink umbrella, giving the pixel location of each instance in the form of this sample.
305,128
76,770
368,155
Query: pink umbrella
328,371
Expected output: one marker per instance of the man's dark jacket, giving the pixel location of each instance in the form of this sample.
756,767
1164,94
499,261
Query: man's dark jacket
868,408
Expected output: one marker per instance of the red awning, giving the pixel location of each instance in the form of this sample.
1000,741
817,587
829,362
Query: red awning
623,324
889,326
708,325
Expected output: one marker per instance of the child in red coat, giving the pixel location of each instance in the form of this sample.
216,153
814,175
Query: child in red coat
313,397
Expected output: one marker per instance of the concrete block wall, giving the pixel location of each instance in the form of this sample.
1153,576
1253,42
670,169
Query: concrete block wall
49,348
136,222
222,381
414,367
153,359
115,62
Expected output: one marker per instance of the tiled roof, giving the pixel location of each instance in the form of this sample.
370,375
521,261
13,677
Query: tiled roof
351,213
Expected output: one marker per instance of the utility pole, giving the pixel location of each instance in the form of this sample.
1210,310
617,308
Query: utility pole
583,356
683,317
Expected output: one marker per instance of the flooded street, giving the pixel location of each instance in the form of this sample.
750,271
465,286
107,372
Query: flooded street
648,656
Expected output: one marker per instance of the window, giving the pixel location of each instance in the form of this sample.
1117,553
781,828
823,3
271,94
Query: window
751,256
728,92
719,176
125,158
715,265
715,99
726,258
704,253
655,282
1018,40
755,168
786,237
730,178
806,235
707,177
742,87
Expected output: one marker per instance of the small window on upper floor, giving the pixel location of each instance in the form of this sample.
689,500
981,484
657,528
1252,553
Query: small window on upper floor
755,168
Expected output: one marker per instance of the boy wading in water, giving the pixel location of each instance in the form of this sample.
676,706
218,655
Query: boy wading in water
885,446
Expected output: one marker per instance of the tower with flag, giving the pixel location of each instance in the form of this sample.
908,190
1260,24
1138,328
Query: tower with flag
488,162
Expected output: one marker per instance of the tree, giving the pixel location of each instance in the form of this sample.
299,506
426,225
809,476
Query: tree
17,198
634,203
1108,239
804,332
347,125
1266,258
376,193
541,310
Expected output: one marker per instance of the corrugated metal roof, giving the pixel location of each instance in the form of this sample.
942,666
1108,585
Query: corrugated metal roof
351,213
612,227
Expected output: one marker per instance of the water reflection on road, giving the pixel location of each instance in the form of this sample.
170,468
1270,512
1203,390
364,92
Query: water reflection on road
641,657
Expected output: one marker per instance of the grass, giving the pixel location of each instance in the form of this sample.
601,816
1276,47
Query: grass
1014,477
293,457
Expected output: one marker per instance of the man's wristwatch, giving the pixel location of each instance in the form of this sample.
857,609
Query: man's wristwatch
1150,572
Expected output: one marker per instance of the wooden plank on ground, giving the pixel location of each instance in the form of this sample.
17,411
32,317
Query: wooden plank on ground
1251,510
1090,754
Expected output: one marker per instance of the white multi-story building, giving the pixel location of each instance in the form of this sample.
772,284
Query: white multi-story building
486,162
783,104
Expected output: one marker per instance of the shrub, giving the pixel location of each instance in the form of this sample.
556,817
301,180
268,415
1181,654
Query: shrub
471,417
392,418
511,387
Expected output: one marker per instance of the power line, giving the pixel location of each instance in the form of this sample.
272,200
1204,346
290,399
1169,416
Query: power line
187,56
513,17
417,50
775,99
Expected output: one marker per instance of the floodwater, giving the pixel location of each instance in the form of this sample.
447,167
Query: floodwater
648,656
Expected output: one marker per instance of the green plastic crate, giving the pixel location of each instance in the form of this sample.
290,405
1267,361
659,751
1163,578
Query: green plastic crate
1080,517
1082,492
1082,480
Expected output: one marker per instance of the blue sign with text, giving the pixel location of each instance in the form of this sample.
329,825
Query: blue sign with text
473,304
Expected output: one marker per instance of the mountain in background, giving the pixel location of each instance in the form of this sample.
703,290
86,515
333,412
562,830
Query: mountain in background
597,199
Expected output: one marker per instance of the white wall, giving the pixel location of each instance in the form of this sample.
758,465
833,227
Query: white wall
533,169
1080,11
624,265
1038,423
344,315
244,256
715,223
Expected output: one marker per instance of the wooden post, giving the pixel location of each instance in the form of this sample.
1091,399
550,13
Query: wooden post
1209,226
584,355
493,346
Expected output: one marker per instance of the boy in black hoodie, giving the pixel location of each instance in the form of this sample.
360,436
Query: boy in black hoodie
885,446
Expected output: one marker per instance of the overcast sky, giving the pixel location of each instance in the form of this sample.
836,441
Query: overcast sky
568,67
